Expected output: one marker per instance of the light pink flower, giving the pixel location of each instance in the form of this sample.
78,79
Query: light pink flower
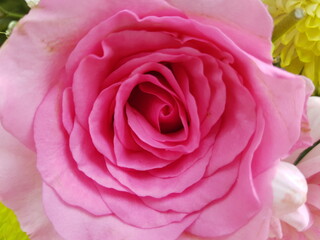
150,118
304,222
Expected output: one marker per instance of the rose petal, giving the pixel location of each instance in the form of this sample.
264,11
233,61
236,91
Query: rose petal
252,32
101,122
178,167
68,114
51,43
20,188
89,161
131,210
55,162
283,120
198,195
238,121
145,184
224,214
91,227
256,228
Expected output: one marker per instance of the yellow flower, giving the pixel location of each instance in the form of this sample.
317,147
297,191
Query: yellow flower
9,226
297,44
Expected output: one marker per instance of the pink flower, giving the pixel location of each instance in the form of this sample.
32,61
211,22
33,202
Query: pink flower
147,118
304,222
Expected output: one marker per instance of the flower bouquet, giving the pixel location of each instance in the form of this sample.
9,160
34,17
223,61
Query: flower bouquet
159,120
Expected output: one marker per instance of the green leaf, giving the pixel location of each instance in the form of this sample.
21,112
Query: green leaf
10,10
9,225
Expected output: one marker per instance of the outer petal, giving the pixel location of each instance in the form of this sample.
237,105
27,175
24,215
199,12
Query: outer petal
89,227
20,188
281,96
252,194
252,32
314,117
55,162
257,228
44,40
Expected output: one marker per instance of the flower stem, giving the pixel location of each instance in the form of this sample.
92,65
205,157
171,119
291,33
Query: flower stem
287,22
305,152
10,14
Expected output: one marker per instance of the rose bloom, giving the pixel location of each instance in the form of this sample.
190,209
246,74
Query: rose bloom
144,119
304,222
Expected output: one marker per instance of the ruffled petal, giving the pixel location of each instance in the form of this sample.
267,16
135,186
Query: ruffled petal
90,227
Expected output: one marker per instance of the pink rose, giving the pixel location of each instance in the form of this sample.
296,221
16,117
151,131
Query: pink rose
148,118
304,222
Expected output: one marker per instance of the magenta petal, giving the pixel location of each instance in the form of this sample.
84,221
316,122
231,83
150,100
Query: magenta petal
238,122
90,227
68,110
131,210
89,161
200,194
144,184
249,193
86,86
149,135
188,161
55,162
101,122
136,159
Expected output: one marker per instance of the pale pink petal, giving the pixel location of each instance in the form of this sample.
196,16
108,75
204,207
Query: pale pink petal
252,32
314,195
275,228
88,227
21,188
314,117
277,91
310,165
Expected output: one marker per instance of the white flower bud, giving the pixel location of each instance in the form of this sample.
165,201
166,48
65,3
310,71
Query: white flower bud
299,219
32,3
10,28
289,189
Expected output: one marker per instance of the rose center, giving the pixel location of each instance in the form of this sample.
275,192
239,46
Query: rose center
157,106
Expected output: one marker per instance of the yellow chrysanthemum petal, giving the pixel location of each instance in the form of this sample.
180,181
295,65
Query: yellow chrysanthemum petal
313,34
311,9
299,45
9,226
